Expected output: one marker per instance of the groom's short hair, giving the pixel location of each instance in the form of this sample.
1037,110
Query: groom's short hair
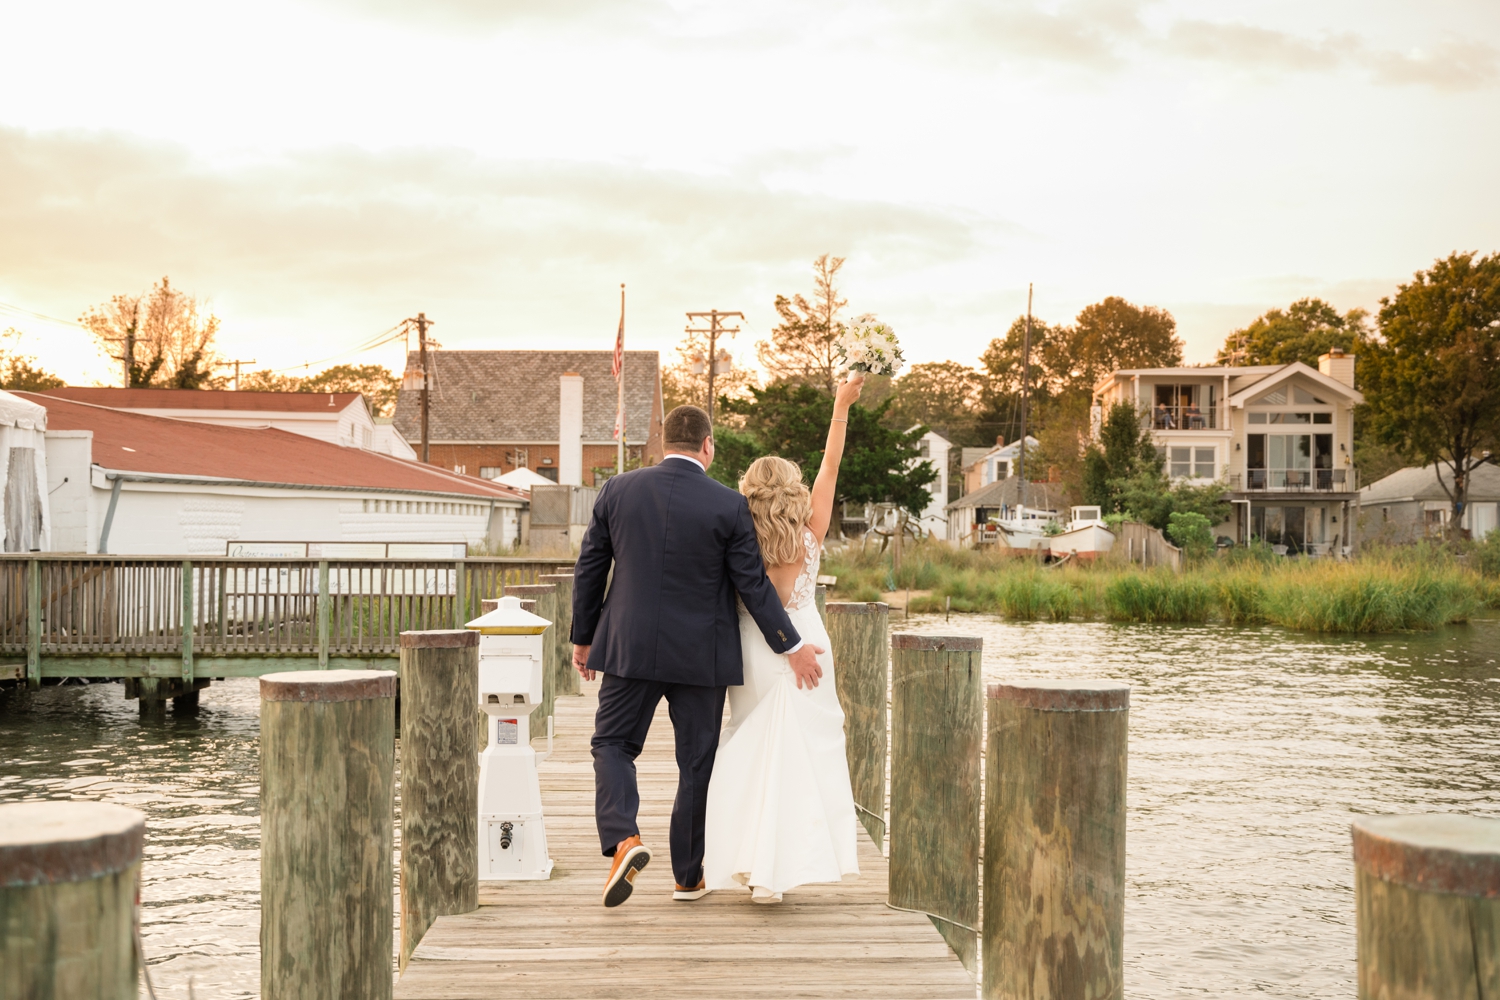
685,428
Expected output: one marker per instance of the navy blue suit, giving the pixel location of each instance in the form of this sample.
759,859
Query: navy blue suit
681,546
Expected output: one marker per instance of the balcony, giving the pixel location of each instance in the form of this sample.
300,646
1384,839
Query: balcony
1295,481
1187,417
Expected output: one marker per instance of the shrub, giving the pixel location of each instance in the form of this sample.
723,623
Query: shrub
1192,532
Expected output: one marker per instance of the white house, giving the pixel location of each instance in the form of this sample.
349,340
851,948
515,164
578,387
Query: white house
1280,436
133,484
341,418
983,466
933,449
23,466
1411,504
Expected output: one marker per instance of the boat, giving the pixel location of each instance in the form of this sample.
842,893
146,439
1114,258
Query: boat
1085,538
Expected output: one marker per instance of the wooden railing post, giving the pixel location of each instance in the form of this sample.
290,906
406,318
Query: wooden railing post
1427,906
460,596
34,623
937,713
568,681
323,614
1054,839
861,662
70,874
545,596
327,811
187,623
439,780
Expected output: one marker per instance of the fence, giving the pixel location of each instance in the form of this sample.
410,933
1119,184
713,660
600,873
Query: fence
94,608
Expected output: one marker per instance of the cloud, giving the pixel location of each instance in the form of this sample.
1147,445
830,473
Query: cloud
351,233
1448,66
490,15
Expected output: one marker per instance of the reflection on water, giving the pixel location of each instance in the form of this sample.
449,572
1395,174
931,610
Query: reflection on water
1250,752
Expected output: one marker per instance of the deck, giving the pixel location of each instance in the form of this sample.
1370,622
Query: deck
553,939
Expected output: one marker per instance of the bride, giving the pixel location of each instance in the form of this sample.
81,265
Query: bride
780,807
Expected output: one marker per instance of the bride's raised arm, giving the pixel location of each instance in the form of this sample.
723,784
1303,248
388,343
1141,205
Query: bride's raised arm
826,486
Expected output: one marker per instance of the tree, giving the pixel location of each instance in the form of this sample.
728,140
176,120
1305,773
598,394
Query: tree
164,338
801,348
880,464
944,395
1191,531
19,372
1432,382
681,386
377,383
1124,452
1304,331
1113,334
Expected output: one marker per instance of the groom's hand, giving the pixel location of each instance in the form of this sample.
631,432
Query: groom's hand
804,663
581,662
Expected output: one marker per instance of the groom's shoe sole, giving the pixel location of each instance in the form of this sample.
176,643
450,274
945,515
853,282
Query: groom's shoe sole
628,864
697,892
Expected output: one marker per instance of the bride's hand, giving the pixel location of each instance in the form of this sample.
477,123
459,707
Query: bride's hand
849,390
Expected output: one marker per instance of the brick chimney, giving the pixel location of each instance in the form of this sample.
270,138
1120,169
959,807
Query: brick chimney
1338,366
570,430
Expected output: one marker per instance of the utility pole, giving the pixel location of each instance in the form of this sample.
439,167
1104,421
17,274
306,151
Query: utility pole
237,362
714,329
1025,396
421,322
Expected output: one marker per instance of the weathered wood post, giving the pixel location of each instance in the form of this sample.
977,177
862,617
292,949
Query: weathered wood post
545,596
568,681
69,876
439,780
1427,907
861,657
937,727
1054,840
327,808
821,597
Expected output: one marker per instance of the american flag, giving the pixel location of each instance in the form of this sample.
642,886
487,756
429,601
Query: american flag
619,366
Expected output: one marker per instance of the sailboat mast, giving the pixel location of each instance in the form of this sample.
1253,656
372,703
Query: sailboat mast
1025,399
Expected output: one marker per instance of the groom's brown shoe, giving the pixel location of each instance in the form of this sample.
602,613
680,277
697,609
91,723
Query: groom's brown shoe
696,892
630,857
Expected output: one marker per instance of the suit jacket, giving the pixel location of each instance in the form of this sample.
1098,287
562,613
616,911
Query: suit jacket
681,544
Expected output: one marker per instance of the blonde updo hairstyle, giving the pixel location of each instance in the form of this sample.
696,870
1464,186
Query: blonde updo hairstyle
781,505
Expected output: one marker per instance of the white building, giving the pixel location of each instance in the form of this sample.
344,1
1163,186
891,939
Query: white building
133,484
933,449
23,475
341,418
983,466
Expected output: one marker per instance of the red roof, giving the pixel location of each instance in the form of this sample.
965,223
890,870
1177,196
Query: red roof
204,399
136,442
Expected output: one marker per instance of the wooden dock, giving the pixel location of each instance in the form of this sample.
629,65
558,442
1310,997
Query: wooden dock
554,939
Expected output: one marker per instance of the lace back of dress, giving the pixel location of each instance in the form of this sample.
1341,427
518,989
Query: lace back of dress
804,591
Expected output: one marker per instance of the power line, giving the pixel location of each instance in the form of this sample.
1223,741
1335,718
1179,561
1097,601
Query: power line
6,307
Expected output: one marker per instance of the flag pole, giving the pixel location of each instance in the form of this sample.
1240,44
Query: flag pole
620,380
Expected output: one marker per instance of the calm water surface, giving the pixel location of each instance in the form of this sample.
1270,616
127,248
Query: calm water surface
1251,750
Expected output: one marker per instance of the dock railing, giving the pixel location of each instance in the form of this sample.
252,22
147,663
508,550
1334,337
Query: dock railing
123,616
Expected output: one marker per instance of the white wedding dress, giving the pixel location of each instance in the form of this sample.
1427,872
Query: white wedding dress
780,807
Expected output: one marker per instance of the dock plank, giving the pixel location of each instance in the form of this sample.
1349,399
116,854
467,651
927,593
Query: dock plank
554,941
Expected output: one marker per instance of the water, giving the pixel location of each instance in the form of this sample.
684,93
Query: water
1251,751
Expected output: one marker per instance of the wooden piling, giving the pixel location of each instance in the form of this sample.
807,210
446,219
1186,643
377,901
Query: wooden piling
545,597
858,633
327,807
1054,840
821,598
439,780
69,877
568,681
937,711
1427,906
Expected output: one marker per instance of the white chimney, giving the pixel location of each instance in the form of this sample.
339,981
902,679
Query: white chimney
1338,366
570,430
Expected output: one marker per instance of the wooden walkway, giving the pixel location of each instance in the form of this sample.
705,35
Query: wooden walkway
554,939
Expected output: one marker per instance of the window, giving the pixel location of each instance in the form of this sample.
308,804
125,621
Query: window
490,472
522,458
1283,396
924,448
1192,463
548,473
1182,462
1204,466
1322,418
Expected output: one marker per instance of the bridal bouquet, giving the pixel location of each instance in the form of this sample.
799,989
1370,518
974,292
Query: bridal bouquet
868,346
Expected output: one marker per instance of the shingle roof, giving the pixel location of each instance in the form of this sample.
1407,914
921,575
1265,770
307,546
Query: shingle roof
204,399
511,397
1004,493
1422,484
125,441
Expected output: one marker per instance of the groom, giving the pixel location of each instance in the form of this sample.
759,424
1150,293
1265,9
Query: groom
681,546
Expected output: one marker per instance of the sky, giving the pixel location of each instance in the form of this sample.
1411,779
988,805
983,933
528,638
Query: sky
319,170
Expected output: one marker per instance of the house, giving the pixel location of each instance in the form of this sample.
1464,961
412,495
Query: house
972,517
130,483
983,466
23,475
1411,504
1280,436
341,418
492,412
933,449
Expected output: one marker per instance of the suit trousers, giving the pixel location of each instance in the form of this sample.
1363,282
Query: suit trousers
626,707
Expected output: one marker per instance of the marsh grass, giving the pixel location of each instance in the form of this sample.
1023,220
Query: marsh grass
1390,590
